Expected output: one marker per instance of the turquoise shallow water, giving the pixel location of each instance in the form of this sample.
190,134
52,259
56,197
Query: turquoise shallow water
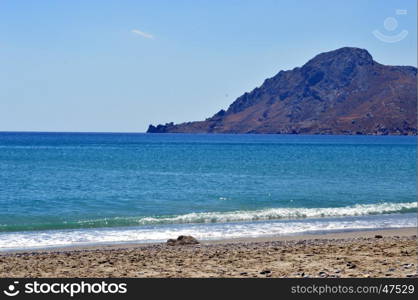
69,188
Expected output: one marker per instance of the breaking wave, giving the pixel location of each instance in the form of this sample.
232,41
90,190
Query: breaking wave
224,217
263,214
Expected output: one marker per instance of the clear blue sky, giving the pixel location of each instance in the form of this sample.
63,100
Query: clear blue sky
121,65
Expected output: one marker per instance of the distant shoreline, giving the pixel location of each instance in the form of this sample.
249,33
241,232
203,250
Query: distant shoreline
343,91
196,133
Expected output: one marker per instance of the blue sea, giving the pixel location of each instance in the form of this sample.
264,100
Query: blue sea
62,189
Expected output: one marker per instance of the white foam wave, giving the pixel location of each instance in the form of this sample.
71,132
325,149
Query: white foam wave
215,231
282,213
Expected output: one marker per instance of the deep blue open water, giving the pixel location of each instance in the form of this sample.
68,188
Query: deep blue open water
61,189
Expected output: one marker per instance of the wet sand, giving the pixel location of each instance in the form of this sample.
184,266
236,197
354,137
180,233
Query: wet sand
347,254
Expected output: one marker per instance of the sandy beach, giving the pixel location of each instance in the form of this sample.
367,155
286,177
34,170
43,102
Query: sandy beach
380,253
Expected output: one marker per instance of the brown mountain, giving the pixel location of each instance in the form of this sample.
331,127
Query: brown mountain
338,92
